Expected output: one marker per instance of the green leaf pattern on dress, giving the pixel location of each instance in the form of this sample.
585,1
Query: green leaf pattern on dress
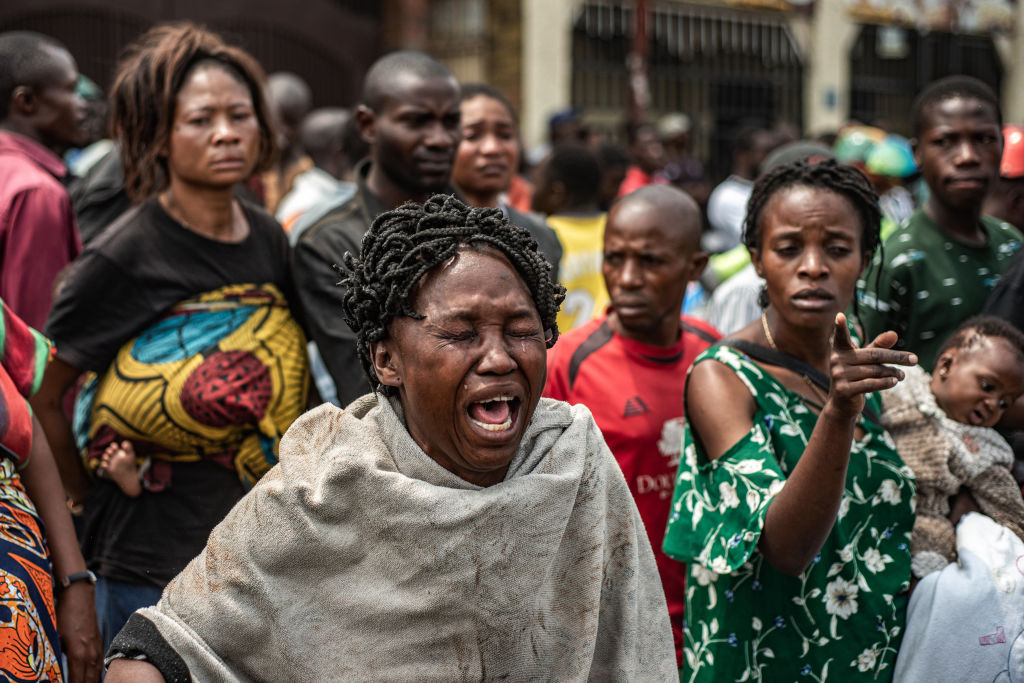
841,620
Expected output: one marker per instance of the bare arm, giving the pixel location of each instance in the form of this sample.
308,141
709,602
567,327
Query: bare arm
76,606
802,514
132,671
48,406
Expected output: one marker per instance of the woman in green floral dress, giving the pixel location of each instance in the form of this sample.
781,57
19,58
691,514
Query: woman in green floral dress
791,506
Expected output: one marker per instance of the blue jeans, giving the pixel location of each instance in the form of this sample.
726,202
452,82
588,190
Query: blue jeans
115,602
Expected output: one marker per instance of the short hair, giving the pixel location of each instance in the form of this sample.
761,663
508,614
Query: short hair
577,167
323,129
946,89
143,98
471,90
829,174
612,156
404,244
386,70
23,61
289,96
971,331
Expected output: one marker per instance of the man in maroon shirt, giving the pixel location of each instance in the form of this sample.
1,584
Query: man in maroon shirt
629,365
40,119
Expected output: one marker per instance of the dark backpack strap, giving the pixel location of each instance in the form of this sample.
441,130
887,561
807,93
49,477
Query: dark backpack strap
784,360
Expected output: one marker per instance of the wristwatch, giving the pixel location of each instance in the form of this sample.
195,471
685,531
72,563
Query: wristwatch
78,576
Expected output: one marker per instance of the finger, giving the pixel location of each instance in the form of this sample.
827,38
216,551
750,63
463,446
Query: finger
871,384
873,355
841,340
886,340
855,373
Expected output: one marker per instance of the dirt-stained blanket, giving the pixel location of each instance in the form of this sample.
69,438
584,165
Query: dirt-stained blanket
360,558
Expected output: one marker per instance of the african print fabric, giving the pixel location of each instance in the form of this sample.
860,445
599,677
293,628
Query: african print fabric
220,378
29,643
931,282
843,618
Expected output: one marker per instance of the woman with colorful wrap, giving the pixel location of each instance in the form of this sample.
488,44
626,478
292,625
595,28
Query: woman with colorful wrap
178,316
46,594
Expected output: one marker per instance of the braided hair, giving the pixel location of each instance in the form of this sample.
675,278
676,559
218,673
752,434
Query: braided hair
829,174
404,244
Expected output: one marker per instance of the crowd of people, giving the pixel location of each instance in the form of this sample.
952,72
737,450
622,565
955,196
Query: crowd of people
297,393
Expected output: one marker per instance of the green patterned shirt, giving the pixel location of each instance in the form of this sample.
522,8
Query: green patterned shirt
842,620
931,282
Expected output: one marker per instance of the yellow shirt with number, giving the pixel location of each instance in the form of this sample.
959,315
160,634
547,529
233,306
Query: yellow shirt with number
579,271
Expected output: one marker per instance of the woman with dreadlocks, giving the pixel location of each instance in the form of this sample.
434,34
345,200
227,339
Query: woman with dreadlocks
792,507
452,525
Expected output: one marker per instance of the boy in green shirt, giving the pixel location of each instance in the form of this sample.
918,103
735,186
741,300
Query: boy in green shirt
938,268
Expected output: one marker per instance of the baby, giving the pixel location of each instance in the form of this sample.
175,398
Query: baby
942,425
118,464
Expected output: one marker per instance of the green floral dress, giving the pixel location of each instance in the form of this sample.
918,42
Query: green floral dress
842,620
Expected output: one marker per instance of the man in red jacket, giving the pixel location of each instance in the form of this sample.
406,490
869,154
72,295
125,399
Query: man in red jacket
629,365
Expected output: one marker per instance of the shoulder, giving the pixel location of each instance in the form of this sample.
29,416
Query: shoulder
1000,231
576,346
344,218
259,219
720,404
695,327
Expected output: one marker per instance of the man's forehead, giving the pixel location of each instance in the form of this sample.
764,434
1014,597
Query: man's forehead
409,88
960,105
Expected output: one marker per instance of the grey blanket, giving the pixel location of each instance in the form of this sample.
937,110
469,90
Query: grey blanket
360,558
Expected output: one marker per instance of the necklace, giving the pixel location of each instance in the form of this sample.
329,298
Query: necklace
771,342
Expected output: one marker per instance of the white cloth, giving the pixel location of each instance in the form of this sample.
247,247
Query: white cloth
360,558
733,305
727,207
966,622
309,188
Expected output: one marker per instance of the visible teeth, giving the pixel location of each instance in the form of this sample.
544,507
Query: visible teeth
494,428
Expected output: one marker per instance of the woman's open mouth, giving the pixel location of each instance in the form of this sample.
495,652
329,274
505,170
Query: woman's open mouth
496,415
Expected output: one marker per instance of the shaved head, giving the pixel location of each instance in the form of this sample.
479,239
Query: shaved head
681,214
651,253
323,129
289,96
389,75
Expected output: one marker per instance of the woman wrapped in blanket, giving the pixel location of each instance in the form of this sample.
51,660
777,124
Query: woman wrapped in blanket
178,316
451,526
792,507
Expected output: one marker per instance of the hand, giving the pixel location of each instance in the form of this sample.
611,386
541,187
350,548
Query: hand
858,371
80,632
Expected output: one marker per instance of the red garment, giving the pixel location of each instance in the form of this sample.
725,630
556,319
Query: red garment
38,233
23,355
637,178
635,392
519,193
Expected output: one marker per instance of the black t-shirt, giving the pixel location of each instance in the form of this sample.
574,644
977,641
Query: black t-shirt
128,277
